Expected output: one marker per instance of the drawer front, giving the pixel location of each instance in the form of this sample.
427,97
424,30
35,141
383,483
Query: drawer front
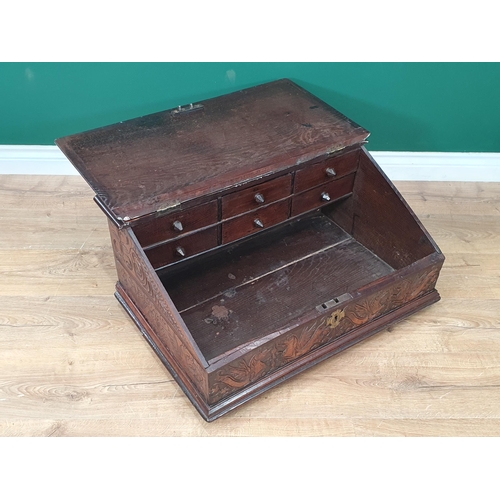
175,224
256,196
325,171
322,195
253,222
182,248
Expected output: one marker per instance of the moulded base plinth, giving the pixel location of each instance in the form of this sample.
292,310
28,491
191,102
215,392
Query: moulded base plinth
212,412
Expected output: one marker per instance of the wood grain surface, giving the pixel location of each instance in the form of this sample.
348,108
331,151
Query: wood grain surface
72,363
158,161
262,305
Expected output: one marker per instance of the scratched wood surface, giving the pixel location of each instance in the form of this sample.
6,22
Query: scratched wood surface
163,160
72,363
261,306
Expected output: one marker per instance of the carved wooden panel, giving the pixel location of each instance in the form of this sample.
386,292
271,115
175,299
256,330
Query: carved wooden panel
282,350
144,289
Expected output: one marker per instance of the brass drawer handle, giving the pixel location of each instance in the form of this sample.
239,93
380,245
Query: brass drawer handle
178,226
330,172
258,223
325,197
259,198
180,252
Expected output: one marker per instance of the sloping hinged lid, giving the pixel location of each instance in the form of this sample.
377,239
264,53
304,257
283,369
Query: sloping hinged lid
159,161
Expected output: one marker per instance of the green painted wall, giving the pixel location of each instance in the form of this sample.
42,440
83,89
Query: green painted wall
406,106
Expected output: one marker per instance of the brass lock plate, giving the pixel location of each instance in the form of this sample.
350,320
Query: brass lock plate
335,318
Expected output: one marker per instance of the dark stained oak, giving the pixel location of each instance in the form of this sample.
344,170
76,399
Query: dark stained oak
161,160
278,298
219,271
279,356
253,237
322,195
383,221
182,248
326,170
176,224
73,363
255,222
256,196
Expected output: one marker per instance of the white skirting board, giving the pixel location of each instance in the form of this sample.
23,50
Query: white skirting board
399,166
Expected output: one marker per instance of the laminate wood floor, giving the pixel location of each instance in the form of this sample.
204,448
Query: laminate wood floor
72,363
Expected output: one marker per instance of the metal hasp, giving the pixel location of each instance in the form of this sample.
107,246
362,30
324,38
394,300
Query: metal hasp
186,109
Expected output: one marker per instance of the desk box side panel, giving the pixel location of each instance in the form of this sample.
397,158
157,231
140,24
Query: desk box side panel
394,291
379,218
142,285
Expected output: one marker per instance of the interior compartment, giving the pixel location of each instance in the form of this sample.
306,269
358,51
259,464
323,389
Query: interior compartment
265,283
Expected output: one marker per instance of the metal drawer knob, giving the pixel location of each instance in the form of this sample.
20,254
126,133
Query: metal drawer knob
259,198
330,172
180,252
258,223
178,226
325,197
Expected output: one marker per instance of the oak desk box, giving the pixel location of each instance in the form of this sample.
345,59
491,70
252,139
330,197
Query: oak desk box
254,236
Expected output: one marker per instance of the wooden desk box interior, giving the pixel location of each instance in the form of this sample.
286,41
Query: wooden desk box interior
254,236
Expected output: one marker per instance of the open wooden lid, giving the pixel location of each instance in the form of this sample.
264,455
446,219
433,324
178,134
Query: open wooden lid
160,161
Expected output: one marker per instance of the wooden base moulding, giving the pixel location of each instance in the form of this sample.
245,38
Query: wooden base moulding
211,413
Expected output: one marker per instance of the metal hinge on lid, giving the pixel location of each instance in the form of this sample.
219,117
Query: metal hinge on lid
126,220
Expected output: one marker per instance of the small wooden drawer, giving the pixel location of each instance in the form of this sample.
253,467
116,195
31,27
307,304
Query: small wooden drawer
322,195
325,171
173,225
182,248
256,196
250,223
